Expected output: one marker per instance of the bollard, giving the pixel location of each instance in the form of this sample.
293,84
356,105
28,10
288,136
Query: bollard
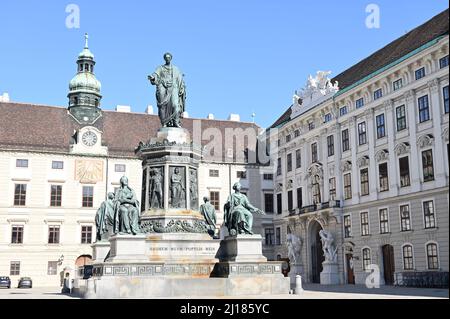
298,285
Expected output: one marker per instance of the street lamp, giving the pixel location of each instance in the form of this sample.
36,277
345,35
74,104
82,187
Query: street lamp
60,260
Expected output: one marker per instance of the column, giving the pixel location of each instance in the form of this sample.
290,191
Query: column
415,168
393,167
373,178
354,146
436,113
323,147
166,186
337,162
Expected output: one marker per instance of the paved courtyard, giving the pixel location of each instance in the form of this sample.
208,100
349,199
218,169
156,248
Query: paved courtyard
310,292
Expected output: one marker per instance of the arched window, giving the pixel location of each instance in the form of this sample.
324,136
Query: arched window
80,67
366,258
408,260
316,189
432,256
86,67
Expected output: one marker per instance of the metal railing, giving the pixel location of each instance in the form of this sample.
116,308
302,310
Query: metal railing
315,207
422,279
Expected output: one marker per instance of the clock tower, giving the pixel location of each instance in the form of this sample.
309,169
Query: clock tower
84,89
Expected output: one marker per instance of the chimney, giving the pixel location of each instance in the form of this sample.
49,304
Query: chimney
4,97
123,108
149,109
234,117
210,116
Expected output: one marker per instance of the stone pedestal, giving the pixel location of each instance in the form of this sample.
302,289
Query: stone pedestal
329,274
127,248
242,248
296,269
100,251
172,135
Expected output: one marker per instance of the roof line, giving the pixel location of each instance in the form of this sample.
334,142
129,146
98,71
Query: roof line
390,65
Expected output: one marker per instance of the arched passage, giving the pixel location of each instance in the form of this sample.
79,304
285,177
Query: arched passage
317,257
83,260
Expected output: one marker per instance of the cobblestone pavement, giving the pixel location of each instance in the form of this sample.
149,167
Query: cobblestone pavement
310,292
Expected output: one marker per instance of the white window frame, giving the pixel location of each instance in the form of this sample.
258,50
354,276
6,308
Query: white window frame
438,254
434,212
362,257
388,221
351,225
413,257
400,217
360,222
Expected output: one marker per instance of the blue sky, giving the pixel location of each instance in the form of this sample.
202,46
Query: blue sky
238,56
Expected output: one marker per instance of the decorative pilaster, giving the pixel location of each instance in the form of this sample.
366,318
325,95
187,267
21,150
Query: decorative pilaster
411,110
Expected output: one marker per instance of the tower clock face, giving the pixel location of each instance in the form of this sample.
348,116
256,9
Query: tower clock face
89,138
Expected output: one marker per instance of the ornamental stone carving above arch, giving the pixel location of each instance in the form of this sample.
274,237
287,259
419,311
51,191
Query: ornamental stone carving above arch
382,155
363,161
290,184
315,169
279,188
425,141
346,166
402,148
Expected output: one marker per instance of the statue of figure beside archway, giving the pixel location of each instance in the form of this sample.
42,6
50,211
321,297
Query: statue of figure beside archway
328,246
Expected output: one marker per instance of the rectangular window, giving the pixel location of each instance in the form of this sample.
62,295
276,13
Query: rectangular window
314,152
327,117
332,185
377,94
432,256
279,167
343,110
55,195
278,236
215,200
86,234
289,162
347,226
52,268
401,118
443,62
298,158
279,204
362,133
365,224
269,236
20,194
424,109
446,99
408,262
383,175
330,145
241,174
88,196
384,221
359,103
428,213
17,234
288,138
296,133
405,218
404,171
268,203
53,234
21,163
213,173
345,140
299,198
366,259
364,181
381,130
268,177
57,165
290,201
120,168
311,126
397,85
427,166
420,73
14,268
347,186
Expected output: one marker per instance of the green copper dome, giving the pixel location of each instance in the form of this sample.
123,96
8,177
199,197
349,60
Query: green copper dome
85,81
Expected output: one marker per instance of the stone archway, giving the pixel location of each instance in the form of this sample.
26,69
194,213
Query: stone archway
316,253
83,260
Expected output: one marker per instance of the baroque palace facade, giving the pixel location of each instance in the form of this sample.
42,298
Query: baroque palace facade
365,156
